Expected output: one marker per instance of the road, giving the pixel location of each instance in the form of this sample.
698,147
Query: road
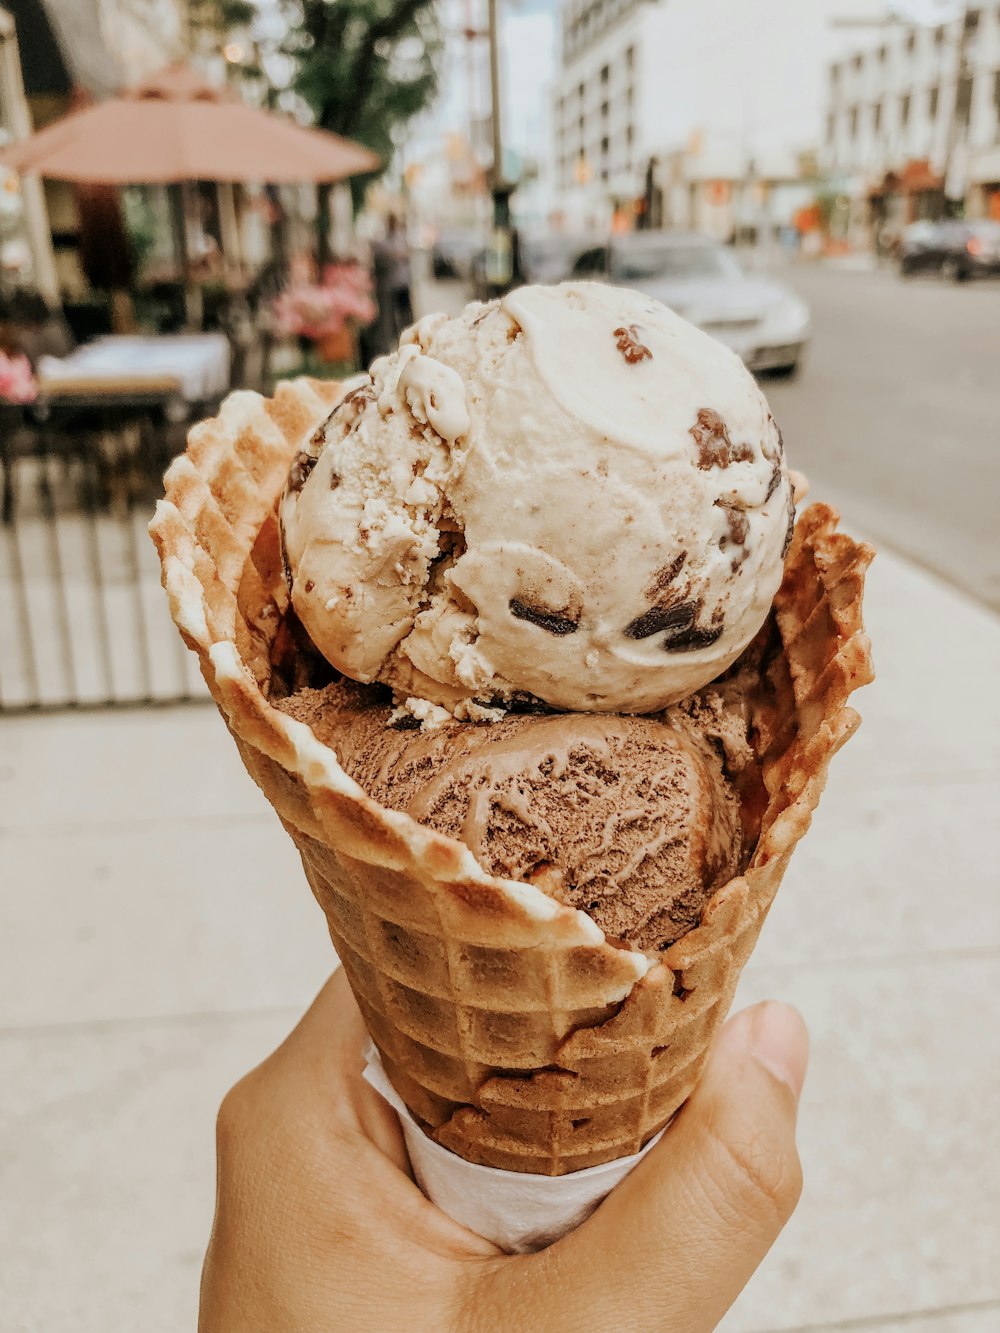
895,416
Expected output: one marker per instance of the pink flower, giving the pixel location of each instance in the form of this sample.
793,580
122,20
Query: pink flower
17,380
318,310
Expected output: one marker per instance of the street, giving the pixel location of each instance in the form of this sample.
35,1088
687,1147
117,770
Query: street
894,416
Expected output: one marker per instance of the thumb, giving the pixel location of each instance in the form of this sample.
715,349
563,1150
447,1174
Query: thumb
673,1246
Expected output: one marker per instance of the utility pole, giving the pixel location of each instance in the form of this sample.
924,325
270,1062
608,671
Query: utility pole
958,124
499,255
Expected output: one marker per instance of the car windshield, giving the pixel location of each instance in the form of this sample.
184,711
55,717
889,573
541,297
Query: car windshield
673,261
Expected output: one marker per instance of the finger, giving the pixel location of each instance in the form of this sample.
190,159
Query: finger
328,1143
675,1243
321,1063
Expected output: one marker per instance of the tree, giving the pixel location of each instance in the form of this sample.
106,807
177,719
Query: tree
362,67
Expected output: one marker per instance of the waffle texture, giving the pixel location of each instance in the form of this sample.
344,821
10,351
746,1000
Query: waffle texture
518,1036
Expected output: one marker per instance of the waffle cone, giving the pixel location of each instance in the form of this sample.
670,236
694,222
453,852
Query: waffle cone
518,1036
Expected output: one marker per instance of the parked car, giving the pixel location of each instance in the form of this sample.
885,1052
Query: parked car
955,248
453,253
550,256
761,319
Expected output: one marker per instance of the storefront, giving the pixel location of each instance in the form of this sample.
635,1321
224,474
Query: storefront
25,239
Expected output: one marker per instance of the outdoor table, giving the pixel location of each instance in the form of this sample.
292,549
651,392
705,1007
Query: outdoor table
112,403
189,369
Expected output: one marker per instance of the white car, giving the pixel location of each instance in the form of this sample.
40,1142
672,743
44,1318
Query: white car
762,320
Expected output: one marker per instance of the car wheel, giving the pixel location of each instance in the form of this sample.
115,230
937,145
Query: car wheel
786,372
906,268
953,270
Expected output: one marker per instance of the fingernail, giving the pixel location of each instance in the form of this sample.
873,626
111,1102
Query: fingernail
780,1042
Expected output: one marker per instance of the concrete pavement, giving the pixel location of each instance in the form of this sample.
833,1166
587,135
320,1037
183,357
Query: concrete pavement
157,938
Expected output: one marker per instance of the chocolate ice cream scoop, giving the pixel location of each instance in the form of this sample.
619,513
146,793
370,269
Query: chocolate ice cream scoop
632,819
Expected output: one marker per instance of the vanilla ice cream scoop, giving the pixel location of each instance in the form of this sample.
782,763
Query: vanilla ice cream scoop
571,494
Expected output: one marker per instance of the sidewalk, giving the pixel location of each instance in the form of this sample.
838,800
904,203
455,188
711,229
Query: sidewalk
157,938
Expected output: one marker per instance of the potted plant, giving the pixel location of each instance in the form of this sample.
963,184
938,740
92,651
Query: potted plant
324,314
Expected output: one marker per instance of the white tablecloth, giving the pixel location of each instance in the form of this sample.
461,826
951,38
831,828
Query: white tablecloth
199,363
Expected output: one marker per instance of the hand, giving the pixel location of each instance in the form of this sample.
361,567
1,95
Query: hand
319,1226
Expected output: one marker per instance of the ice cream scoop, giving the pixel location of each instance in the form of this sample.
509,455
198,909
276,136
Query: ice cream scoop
571,494
632,819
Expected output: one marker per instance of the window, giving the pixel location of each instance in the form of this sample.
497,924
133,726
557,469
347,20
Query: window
933,97
604,146
834,75
605,73
972,20
852,121
857,62
904,110
883,54
831,127
630,57
877,117
939,36
996,97
580,92
630,131
911,43
604,110
963,100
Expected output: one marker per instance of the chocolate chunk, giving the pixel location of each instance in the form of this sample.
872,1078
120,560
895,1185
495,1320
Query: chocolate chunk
285,566
736,521
356,399
551,621
775,481
658,618
791,526
627,342
485,314
715,448
298,474
406,723
691,639
664,577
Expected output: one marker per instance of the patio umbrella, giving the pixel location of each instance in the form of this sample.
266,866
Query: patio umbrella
175,127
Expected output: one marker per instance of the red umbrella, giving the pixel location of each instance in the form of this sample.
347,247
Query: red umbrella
175,127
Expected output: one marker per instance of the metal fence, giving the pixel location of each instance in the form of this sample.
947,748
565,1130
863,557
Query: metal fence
83,619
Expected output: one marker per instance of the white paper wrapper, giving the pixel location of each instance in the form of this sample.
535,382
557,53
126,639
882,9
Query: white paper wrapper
517,1211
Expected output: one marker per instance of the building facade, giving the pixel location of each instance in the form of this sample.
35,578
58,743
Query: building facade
709,110
26,254
913,121
53,54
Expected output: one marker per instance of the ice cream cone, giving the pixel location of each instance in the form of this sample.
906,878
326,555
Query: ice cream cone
518,1036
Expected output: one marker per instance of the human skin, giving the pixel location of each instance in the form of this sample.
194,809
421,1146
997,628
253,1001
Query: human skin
319,1225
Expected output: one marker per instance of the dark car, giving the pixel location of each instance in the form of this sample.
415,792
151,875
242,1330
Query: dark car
956,249
454,252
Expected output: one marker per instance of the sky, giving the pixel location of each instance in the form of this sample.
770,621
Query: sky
527,37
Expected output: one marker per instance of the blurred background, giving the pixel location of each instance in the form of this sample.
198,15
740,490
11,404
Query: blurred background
198,196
